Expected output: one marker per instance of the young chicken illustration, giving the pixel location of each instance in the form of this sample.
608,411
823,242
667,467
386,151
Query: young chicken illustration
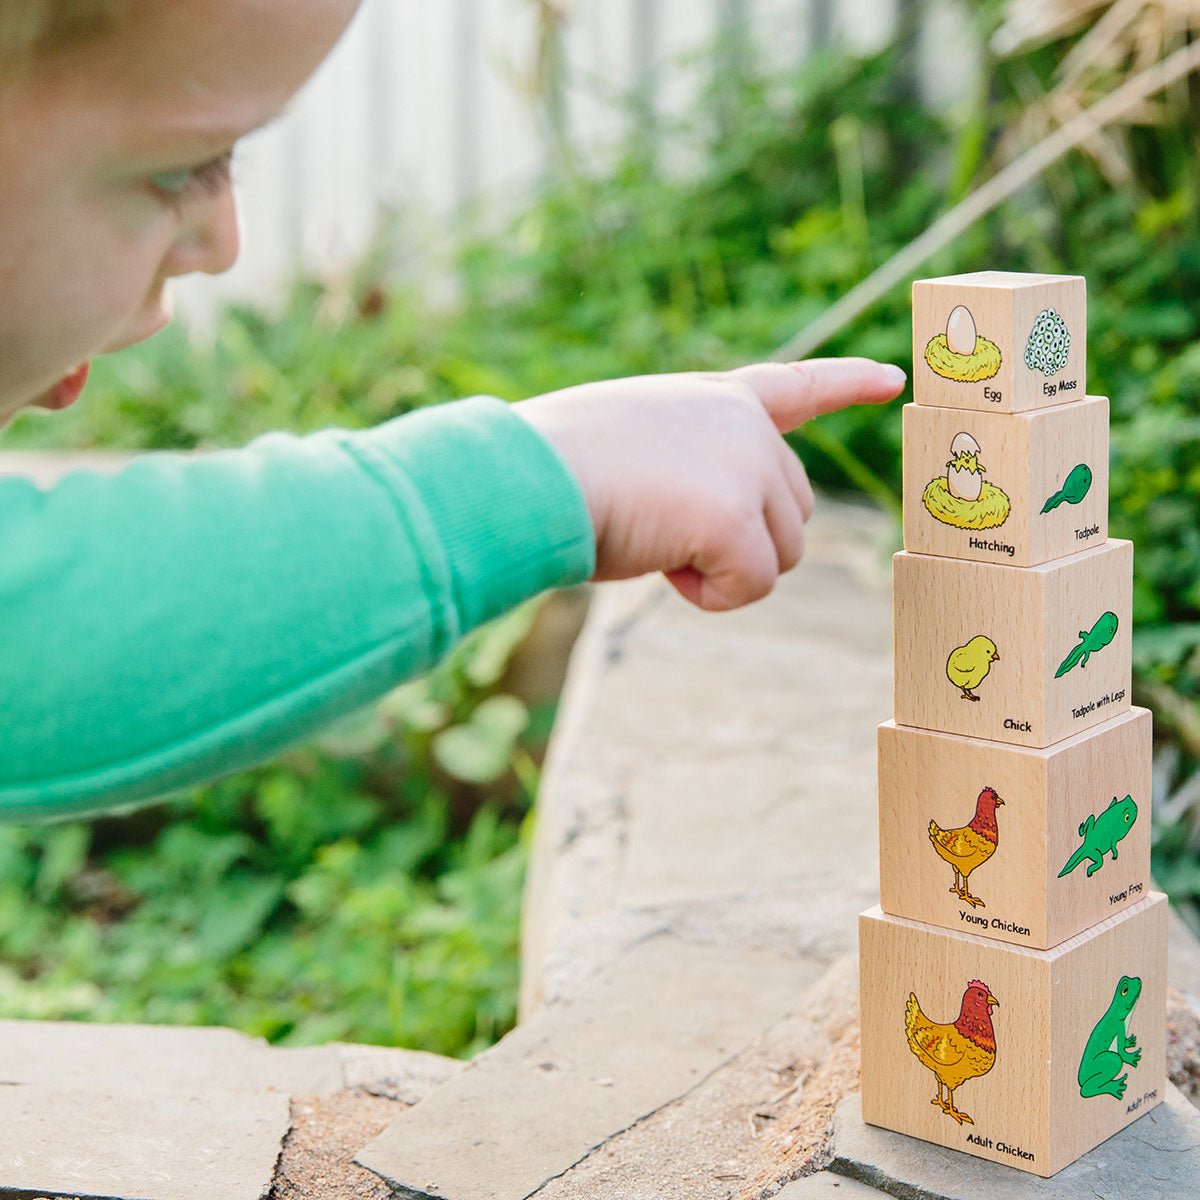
970,847
958,1052
968,666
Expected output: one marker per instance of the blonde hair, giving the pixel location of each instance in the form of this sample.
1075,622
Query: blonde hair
33,29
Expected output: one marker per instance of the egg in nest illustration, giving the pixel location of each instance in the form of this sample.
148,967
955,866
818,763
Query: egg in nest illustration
960,353
962,497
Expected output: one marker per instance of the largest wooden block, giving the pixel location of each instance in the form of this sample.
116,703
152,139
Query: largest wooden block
999,340
1012,843
1043,1053
1028,655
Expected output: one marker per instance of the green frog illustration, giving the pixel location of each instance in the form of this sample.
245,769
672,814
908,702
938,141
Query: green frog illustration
1101,834
1099,1067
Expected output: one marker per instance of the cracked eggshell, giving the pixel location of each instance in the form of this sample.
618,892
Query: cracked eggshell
963,443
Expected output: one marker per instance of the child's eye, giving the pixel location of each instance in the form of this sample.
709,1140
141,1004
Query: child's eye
175,187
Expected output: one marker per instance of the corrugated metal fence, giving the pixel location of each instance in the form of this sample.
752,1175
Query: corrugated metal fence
430,104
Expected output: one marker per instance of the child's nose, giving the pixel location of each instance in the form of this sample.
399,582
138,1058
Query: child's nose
209,240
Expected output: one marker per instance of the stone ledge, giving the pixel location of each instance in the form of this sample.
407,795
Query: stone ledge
104,1140
689,954
672,811
828,1187
711,783
155,1112
656,1024
1155,1158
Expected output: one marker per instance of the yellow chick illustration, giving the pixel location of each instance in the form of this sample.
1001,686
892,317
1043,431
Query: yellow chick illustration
968,666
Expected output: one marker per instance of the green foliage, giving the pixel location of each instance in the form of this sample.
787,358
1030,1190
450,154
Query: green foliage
343,892
367,886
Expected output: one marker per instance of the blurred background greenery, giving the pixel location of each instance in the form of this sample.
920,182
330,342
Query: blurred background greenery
366,886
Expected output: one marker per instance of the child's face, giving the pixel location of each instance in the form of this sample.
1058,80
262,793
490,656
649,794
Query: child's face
112,162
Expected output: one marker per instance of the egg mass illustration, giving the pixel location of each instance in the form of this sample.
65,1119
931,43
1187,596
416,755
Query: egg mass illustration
1049,344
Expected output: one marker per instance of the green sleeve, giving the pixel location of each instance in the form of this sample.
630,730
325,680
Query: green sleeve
192,615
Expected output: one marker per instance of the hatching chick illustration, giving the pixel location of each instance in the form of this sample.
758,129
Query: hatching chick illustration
968,666
970,847
958,1052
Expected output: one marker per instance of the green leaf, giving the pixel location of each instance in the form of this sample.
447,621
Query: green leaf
481,750
63,853
1164,643
237,913
487,653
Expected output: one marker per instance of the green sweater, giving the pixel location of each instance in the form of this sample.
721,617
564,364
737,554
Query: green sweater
192,615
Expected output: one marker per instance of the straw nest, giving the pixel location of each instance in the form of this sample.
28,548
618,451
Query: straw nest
964,368
990,510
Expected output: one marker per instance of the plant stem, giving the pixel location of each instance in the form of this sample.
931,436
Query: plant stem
988,196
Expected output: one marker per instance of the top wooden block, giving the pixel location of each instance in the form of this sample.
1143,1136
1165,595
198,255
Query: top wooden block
999,341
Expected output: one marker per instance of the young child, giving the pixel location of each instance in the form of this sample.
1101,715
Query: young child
188,616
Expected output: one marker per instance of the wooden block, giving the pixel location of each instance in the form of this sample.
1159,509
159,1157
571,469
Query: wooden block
1014,488
1041,844
1048,1052
999,341
1027,655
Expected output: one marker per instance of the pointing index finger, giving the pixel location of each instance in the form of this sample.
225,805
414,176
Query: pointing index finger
793,393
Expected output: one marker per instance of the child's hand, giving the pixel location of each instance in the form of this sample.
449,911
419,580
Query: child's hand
688,474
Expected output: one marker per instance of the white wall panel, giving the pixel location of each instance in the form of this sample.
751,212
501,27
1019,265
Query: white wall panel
429,104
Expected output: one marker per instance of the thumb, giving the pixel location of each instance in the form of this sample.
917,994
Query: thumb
793,393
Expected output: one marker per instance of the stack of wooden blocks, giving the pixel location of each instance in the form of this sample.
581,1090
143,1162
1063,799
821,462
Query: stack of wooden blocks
1013,979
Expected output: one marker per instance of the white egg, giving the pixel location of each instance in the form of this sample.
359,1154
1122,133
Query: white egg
963,443
965,485
960,331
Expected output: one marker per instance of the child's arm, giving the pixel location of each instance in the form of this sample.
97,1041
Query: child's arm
190,616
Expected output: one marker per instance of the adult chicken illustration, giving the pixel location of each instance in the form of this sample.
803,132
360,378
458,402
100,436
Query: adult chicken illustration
954,1053
971,846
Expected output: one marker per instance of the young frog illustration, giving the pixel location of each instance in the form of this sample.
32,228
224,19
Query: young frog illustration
1099,1067
1101,834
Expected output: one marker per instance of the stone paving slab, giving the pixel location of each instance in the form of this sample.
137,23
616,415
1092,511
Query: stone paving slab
696,754
711,1143
139,1143
317,1160
185,1059
694,758
159,1112
394,1074
651,1028
825,1186
715,775
1155,1158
